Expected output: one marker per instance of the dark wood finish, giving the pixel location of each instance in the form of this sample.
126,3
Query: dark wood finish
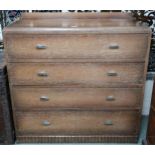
1,125
32,98
6,124
77,77
151,126
153,97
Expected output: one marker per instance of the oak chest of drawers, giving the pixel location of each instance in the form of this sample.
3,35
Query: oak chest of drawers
77,77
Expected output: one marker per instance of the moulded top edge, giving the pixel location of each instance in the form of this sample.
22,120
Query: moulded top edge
93,30
77,15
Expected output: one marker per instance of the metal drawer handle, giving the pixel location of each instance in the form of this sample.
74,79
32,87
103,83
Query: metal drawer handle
108,122
46,123
112,73
44,98
41,46
113,46
110,98
42,73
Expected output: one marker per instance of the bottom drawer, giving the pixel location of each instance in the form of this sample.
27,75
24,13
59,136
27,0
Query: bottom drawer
78,123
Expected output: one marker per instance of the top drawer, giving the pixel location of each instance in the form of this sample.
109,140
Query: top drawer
113,47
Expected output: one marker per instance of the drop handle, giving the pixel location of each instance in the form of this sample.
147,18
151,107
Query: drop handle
110,98
44,98
114,46
41,46
108,122
45,123
112,73
42,73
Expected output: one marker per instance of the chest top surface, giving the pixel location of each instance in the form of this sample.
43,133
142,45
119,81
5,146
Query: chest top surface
76,23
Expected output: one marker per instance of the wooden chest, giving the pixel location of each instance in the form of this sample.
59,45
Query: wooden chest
77,77
6,124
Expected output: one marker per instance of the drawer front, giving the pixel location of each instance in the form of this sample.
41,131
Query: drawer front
107,46
76,74
100,98
77,122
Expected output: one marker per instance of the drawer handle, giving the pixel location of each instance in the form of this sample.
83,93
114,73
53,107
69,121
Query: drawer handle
42,73
110,98
41,46
108,122
44,98
46,123
112,73
113,46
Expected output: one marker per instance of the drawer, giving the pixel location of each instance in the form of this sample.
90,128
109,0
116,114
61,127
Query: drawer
76,74
77,122
97,98
106,46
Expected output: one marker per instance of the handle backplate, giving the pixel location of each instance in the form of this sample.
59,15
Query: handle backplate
45,123
44,98
108,122
41,46
114,46
42,73
112,73
110,98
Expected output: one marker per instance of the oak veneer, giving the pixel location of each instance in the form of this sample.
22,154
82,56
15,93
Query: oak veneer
70,73
78,123
32,98
76,74
85,46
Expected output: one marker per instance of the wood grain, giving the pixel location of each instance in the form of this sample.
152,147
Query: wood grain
85,46
76,74
77,123
66,15
30,98
77,70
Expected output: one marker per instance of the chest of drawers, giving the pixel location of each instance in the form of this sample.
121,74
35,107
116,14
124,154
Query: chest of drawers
77,77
